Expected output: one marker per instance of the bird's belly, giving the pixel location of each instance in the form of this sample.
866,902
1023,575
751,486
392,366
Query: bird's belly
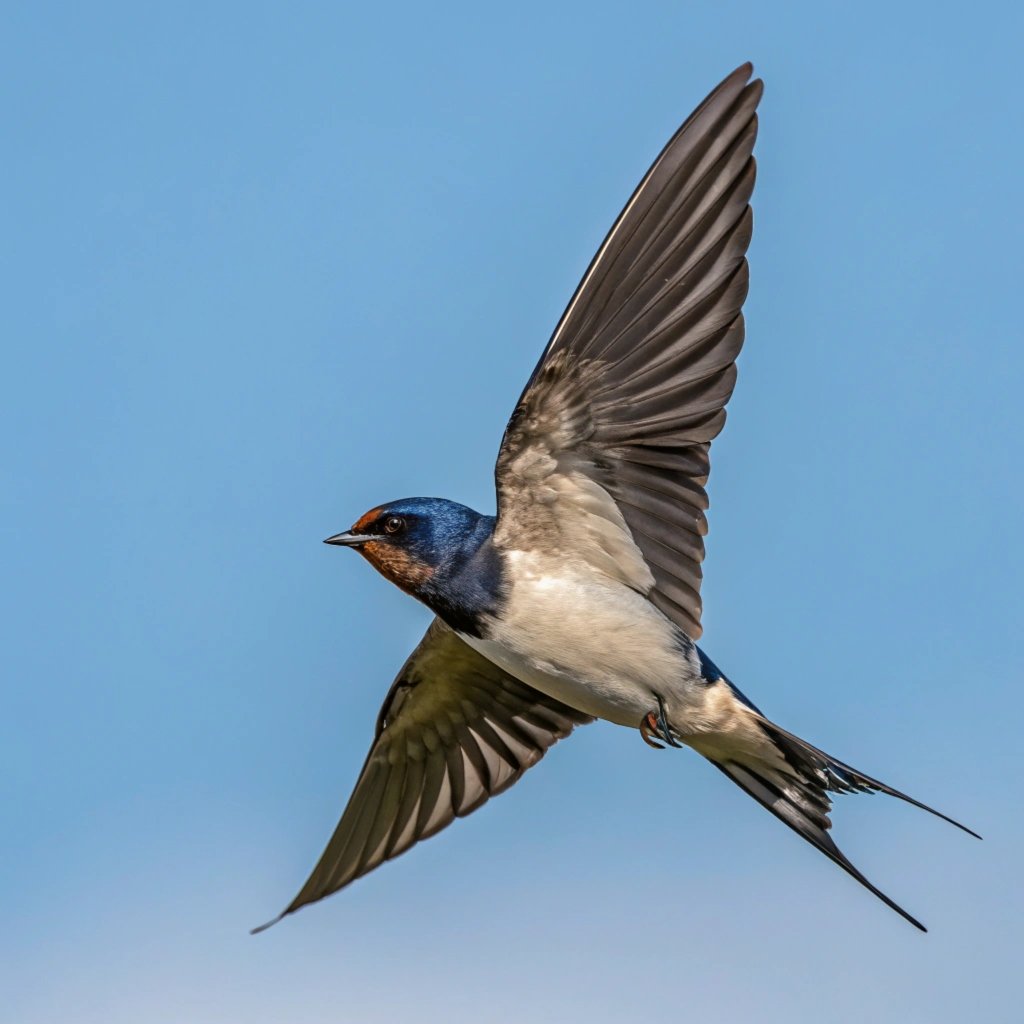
589,642
621,703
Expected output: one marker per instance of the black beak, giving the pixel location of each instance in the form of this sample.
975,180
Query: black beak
348,539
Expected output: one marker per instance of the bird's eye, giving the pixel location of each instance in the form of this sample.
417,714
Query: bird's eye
394,524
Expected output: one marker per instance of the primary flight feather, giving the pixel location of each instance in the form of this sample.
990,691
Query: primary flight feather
581,598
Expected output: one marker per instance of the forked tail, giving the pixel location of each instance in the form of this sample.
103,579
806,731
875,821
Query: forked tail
794,779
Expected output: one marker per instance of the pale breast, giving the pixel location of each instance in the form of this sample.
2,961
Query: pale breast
583,638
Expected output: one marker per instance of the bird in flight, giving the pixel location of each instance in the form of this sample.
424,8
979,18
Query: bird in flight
581,598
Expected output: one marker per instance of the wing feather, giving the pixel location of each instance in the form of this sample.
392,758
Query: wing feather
606,453
454,730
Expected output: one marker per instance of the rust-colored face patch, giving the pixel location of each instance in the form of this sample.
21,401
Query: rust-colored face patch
365,520
395,563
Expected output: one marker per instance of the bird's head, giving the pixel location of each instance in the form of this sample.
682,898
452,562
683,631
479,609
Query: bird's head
412,540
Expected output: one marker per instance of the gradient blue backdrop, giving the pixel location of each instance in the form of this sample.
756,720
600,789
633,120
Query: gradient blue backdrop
268,265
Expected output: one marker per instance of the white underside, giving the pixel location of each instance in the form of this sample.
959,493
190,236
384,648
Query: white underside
599,646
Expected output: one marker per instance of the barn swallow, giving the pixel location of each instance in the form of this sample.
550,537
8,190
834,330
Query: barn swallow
581,599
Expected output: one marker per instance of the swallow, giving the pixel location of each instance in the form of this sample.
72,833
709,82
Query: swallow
580,599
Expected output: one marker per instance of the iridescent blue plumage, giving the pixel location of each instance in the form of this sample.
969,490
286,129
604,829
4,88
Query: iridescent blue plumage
440,552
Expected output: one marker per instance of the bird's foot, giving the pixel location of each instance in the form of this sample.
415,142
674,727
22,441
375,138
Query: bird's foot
655,724
649,728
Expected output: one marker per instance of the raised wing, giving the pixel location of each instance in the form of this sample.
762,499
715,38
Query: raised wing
453,731
606,455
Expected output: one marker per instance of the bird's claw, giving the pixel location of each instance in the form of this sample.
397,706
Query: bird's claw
649,728
656,724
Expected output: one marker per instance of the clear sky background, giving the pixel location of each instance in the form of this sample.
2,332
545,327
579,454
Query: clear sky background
266,266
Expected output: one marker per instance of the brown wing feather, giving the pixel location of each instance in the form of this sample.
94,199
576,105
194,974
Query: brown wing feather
453,731
633,384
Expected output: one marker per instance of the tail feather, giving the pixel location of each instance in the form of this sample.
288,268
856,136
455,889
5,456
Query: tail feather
791,810
793,780
840,777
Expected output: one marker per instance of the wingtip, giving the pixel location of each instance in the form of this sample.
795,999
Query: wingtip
744,74
740,83
267,924
737,78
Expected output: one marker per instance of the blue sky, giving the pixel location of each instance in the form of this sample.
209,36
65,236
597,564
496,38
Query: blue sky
268,265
